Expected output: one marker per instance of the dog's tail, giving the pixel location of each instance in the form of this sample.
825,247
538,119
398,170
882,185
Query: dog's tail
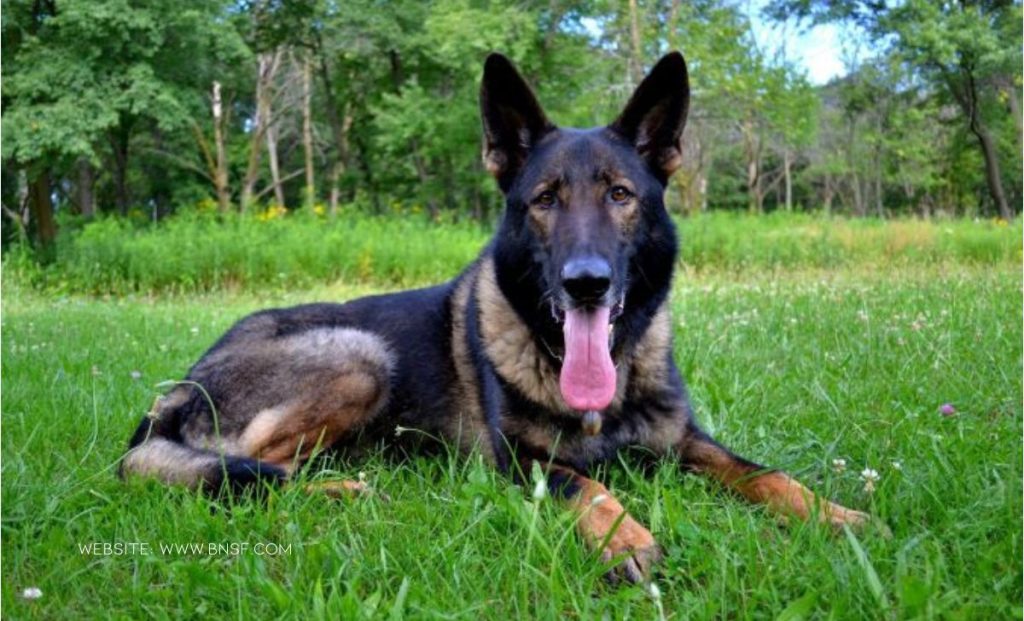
157,450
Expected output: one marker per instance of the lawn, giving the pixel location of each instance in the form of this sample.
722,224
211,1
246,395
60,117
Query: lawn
797,368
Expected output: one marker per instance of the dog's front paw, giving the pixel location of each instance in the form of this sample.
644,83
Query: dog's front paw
839,516
634,549
343,489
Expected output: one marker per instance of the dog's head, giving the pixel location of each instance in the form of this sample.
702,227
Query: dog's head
586,244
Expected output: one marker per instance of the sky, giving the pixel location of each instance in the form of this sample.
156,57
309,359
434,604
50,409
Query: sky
818,50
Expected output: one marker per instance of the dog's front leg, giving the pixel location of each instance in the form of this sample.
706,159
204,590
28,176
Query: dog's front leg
778,491
605,525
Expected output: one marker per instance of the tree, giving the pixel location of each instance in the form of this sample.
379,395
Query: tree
64,60
968,49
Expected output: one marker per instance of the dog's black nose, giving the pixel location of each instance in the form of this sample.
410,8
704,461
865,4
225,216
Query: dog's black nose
587,279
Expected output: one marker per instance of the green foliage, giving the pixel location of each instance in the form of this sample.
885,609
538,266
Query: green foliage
191,252
93,66
107,103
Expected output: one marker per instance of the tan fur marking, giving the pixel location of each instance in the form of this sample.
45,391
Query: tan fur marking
779,492
788,497
261,429
494,160
467,426
294,433
627,215
599,511
511,347
342,489
541,221
169,462
650,358
671,160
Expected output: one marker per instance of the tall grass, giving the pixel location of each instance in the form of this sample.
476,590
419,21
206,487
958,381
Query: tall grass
724,240
199,252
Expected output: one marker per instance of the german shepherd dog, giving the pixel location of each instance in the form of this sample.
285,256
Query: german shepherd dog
554,347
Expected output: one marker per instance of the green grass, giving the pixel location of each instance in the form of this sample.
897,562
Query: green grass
196,252
793,368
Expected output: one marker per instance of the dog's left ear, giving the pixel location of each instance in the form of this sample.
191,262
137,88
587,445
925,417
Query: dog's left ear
654,118
513,120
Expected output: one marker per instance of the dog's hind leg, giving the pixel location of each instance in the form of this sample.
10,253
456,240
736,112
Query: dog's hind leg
289,434
255,410
779,492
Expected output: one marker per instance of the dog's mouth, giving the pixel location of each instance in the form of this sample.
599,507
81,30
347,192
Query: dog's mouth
588,379
558,312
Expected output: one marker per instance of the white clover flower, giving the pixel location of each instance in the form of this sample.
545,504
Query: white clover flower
870,477
32,593
540,489
839,465
655,591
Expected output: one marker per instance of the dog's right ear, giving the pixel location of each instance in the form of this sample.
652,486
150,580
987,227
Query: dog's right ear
513,120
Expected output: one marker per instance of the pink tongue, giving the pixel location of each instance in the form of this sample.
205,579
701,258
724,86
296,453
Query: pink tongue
588,375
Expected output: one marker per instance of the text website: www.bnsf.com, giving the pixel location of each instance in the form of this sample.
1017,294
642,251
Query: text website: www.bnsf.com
191,548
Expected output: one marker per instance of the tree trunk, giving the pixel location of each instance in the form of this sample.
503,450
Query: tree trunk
752,155
19,215
220,177
275,169
703,189
340,125
636,63
41,206
424,178
84,188
266,69
365,166
879,203
859,207
340,130
992,174
332,204
309,193
787,163
829,195
119,144
965,91
160,182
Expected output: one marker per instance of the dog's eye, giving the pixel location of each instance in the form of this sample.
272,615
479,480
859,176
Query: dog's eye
619,194
545,199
